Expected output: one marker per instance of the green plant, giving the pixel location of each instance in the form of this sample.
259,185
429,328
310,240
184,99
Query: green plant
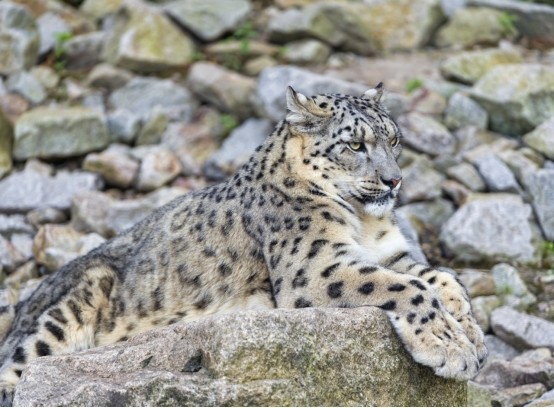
59,49
198,56
244,34
507,21
547,256
413,84
228,123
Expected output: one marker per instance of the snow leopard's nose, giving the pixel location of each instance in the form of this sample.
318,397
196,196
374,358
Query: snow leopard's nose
391,183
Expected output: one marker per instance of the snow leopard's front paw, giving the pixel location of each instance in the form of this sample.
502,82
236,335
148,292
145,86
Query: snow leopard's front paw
435,339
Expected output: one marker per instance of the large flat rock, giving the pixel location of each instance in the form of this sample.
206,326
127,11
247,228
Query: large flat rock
278,357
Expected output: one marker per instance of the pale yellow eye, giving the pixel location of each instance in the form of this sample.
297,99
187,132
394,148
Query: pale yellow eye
394,141
355,146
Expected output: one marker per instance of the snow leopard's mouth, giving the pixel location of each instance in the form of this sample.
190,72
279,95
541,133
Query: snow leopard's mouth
378,199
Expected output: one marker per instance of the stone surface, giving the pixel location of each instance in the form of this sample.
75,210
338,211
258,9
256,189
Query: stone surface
46,215
50,25
209,19
426,135
519,164
472,26
271,358
306,52
142,94
482,307
108,76
153,128
420,181
499,349
521,330
495,226
477,283
59,132
511,288
100,213
237,148
518,97
84,51
123,125
27,190
546,400
56,245
114,164
428,214
517,396
273,82
6,142
542,138
541,187
466,174
225,89
10,257
464,111
19,38
143,39
468,67
496,174
534,21
158,167
26,85
10,224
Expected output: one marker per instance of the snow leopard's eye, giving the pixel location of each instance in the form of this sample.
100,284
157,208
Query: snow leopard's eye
355,146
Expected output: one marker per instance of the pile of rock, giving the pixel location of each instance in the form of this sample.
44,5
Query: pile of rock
109,109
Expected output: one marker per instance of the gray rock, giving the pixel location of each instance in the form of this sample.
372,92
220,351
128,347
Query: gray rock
19,38
10,257
541,187
28,190
108,76
497,176
84,51
472,26
420,181
50,25
521,330
511,288
477,283
10,224
268,358
26,85
46,215
470,137
490,227
466,174
142,94
426,135
517,396
143,39
273,82
534,21
237,148
482,307
478,395
457,192
98,212
518,97
464,111
153,128
546,400
536,366
499,349
542,138
469,66
59,132
223,88
209,19
123,125
47,77
114,164
306,52
427,215
158,166
6,142
519,164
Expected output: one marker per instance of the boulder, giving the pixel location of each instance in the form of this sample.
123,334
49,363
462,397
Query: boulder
477,283
99,212
143,39
10,256
28,190
498,349
237,148
472,26
59,132
84,51
464,111
496,174
511,288
6,141
517,396
108,76
425,134
306,52
540,185
518,97
420,181
482,307
273,82
466,174
19,38
521,330
546,400
227,90
26,85
542,138
209,19
469,66
490,227
50,25
303,357
158,166
114,164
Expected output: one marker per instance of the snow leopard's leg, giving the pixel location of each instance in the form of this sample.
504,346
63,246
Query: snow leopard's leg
60,316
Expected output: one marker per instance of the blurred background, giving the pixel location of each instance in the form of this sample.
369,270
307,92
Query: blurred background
111,108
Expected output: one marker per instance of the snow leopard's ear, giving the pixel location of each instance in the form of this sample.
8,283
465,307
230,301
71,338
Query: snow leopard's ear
375,94
303,112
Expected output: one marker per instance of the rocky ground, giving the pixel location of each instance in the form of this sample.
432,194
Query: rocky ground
111,108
